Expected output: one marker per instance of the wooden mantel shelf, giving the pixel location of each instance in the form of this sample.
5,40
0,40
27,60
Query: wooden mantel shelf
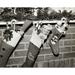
43,21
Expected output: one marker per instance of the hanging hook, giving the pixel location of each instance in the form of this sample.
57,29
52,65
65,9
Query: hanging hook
13,23
7,25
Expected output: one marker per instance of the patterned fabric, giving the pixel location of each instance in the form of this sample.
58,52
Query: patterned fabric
7,35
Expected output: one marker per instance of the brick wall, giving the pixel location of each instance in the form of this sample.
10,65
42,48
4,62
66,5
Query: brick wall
46,58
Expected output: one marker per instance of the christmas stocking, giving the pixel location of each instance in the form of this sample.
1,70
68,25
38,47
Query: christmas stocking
39,35
57,32
10,40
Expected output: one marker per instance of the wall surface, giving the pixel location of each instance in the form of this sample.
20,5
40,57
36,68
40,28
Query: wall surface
45,57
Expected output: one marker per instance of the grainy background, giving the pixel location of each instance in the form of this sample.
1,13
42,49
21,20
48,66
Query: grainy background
46,58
